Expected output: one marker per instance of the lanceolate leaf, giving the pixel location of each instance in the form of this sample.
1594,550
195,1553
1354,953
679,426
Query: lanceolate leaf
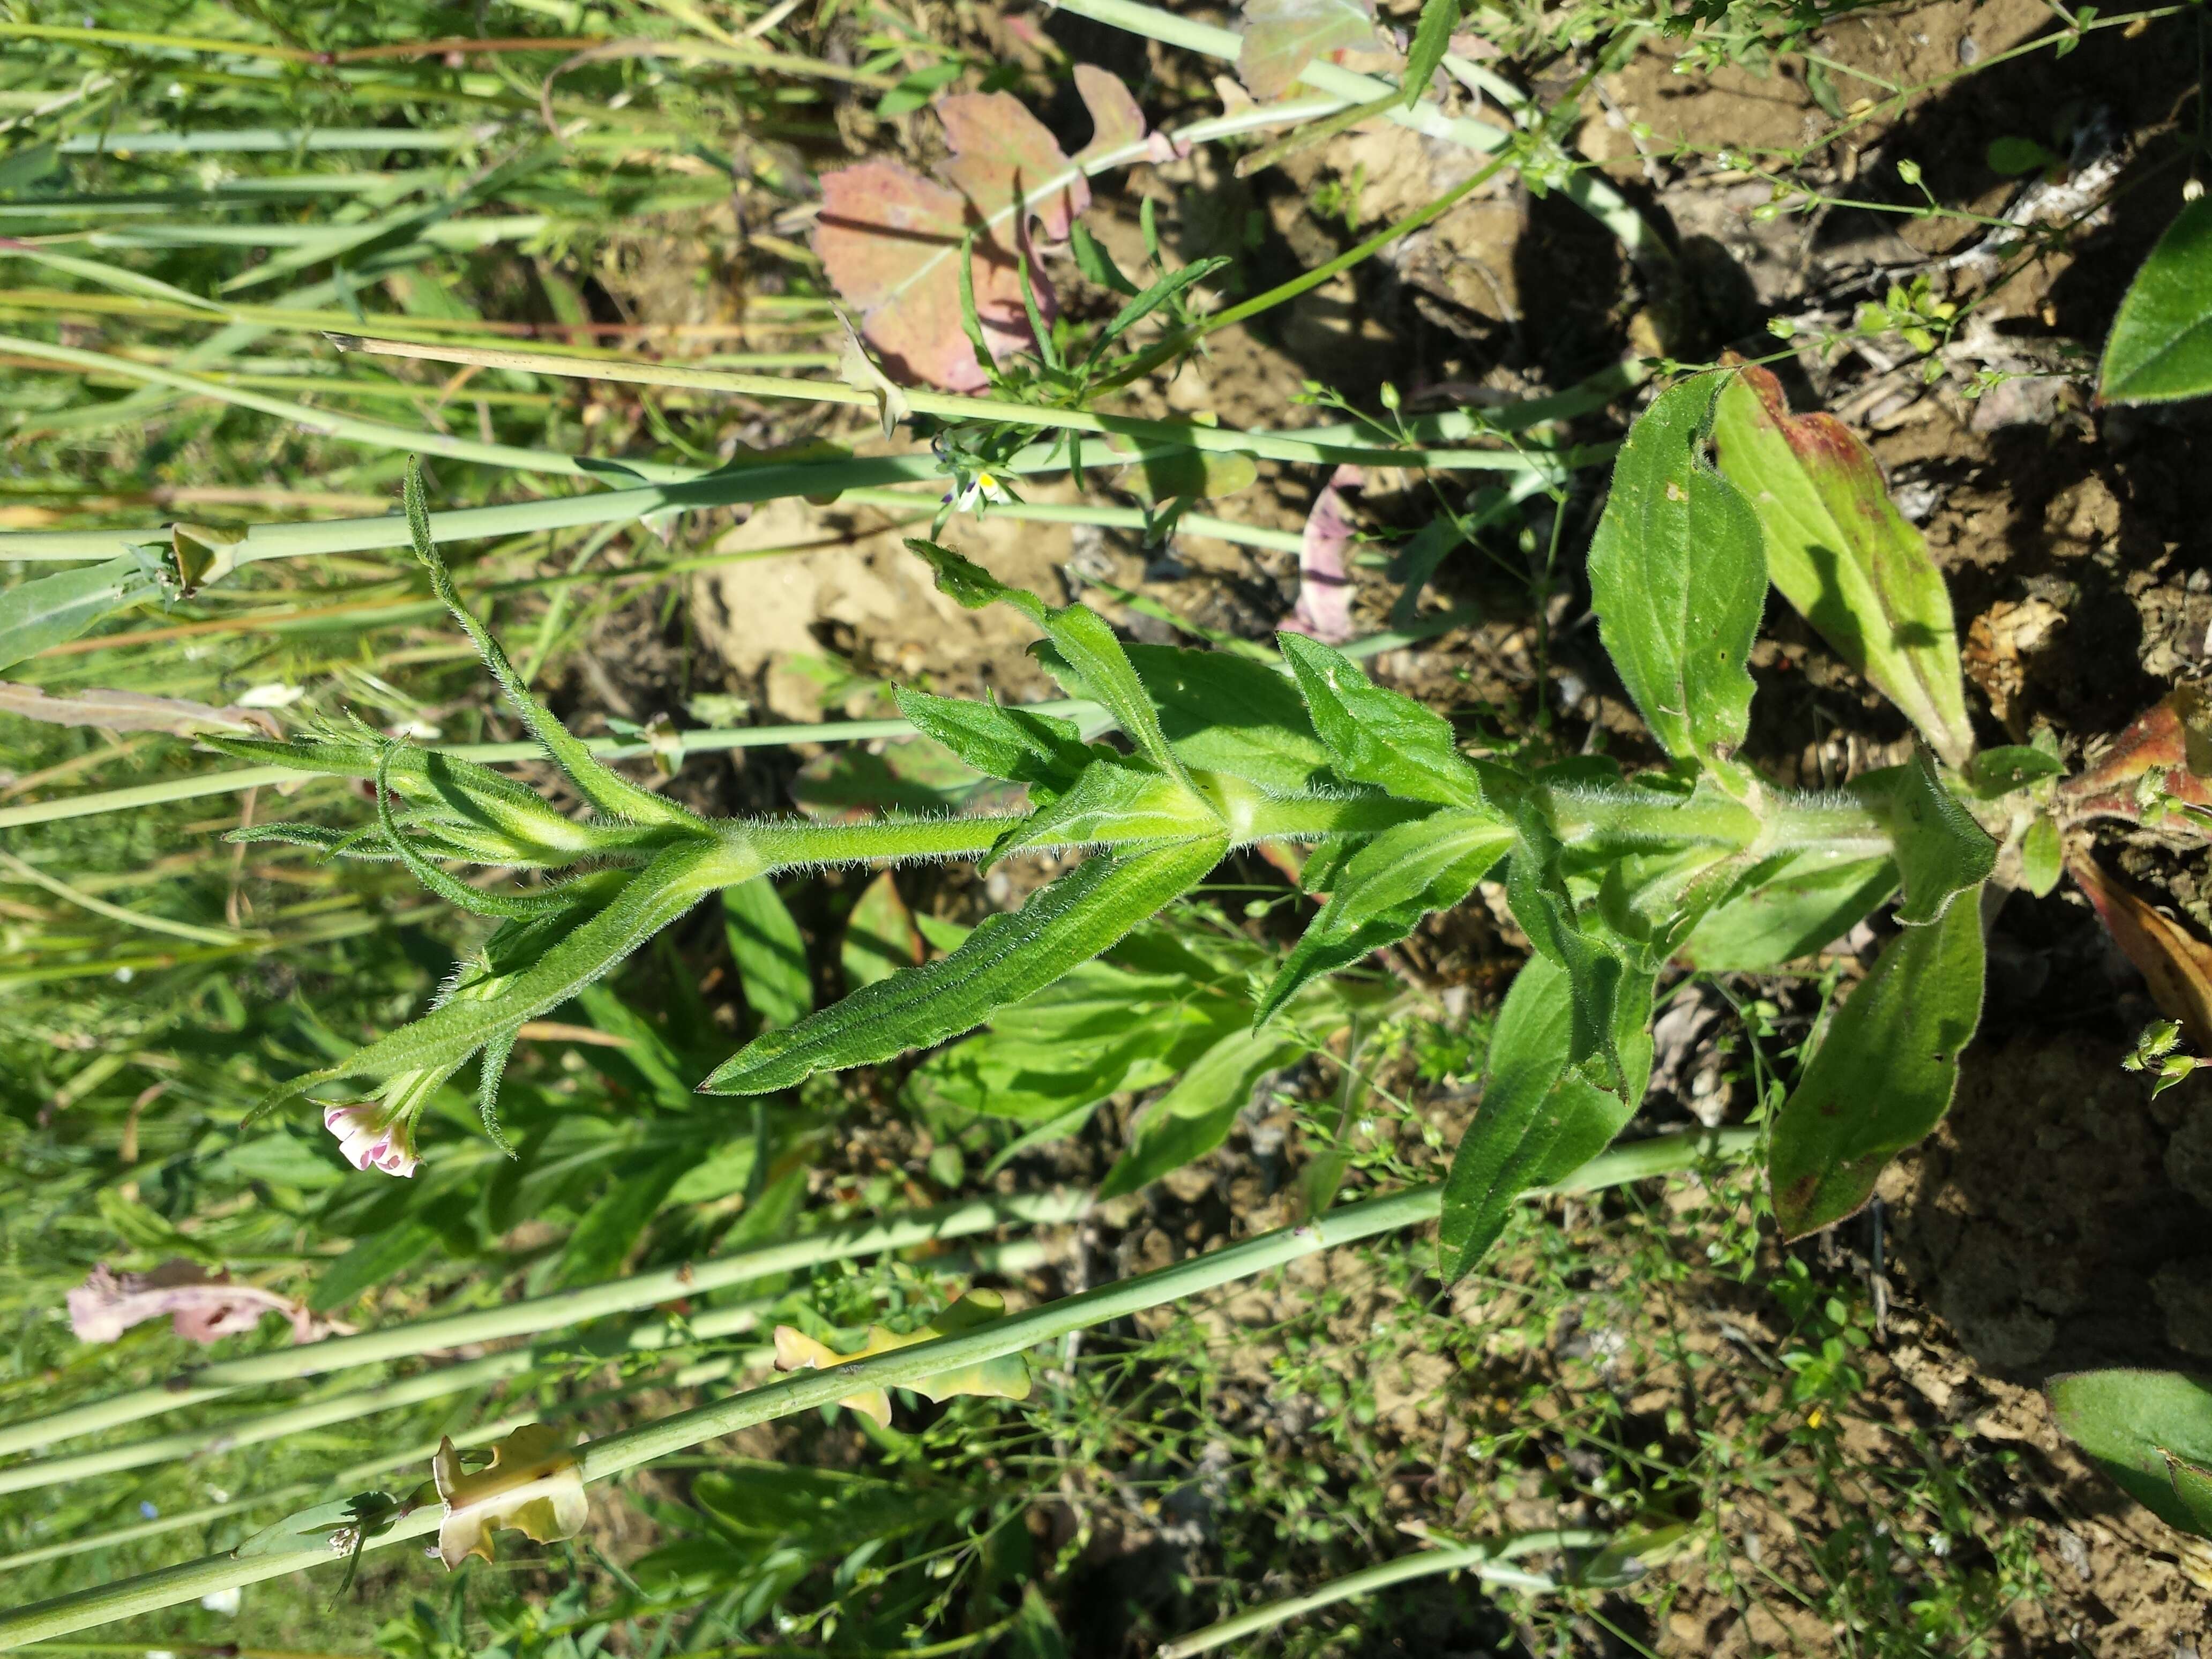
1839,550
2151,1431
1941,850
1385,888
1007,958
1009,743
880,937
1882,1077
1281,37
769,953
1223,712
1678,576
1538,1121
1787,909
2162,343
1375,735
1118,802
1196,1115
1608,1004
1431,40
50,611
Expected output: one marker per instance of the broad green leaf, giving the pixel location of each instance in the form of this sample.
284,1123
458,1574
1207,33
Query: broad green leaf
1431,40
1006,1377
1009,743
1196,1115
2151,1431
1008,958
1789,909
379,1259
2042,856
1942,851
1115,803
1839,549
2161,344
1997,772
1883,1075
1224,713
769,953
880,937
618,1216
1083,638
1537,1119
1377,736
49,611
1384,889
1678,577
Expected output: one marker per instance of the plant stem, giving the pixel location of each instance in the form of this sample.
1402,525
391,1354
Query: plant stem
1487,1560
537,1315
613,1455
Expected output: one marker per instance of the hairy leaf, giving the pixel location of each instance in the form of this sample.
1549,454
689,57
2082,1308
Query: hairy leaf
2151,1431
1001,742
1609,1002
1384,889
1941,850
1883,1075
50,611
1117,803
1678,577
1431,40
1840,552
769,953
1196,1115
1539,1119
2161,349
1223,712
1282,37
1006,1377
1008,958
1378,736
1788,909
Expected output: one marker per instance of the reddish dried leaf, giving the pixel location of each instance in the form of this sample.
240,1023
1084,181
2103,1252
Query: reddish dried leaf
890,239
1281,37
1324,607
2175,963
201,1307
2174,737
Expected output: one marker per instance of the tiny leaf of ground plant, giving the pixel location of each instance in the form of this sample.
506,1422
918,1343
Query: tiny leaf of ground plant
1882,1077
1678,577
2161,349
1537,1119
1840,552
2151,1431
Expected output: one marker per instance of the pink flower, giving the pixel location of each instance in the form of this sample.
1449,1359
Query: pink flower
374,1134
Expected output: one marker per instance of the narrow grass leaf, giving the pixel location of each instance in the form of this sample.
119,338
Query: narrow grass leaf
1195,1116
50,611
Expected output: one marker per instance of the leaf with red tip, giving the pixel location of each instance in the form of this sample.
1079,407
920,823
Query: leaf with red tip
1281,37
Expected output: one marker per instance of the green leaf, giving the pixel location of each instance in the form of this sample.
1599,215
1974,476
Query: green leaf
769,954
1678,577
2151,1431
1384,889
1942,851
1789,908
381,1257
1838,550
1083,638
1431,40
1224,713
1377,736
1096,263
1008,958
2161,344
1115,803
1009,743
619,1215
1283,37
1608,1004
880,937
49,611
1539,1120
1998,772
1143,305
2042,856
1882,1076
2012,155
1196,1115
